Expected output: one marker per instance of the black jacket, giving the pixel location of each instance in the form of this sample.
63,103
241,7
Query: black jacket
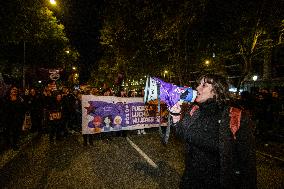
13,114
213,157
56,108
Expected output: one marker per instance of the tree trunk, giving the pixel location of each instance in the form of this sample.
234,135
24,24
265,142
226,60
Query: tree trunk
246,72
267,65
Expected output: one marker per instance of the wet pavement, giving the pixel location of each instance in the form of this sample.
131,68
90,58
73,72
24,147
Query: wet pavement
115,163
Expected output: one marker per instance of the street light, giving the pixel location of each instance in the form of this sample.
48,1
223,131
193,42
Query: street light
75,78
165,72
53,2
254,78
207,62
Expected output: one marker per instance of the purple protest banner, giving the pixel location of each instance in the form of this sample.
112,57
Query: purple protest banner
110,113
159,91
167,92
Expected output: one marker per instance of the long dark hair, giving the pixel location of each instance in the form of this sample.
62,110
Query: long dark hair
220,87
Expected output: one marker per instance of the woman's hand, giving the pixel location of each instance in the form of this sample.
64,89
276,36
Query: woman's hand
175,112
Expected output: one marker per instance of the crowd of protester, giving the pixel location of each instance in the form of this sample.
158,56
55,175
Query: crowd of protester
58,112
53,112
266,109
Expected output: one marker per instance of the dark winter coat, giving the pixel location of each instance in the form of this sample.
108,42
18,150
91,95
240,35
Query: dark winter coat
34,104
55,110
13,114
214,158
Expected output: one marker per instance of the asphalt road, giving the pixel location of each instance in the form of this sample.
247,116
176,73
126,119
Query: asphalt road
139,161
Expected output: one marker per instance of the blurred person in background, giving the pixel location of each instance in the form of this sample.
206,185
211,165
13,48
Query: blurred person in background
95,91
46,99
69,111
276,108
55,117
13,117
108,92
78,111
35,107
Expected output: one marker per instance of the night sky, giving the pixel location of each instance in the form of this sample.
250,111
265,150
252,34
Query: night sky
82,20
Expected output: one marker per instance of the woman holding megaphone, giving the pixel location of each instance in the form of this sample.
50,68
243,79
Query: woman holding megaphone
220,150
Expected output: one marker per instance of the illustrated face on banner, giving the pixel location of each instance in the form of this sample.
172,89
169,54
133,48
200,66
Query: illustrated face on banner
107,121
97,121
117,120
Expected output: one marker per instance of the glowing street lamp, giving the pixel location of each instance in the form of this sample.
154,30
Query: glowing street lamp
207,62
165,72
254,78
53,2
75,78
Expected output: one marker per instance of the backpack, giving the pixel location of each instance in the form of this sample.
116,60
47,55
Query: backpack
235,120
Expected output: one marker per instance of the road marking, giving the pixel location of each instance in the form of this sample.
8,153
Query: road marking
151,162
270,156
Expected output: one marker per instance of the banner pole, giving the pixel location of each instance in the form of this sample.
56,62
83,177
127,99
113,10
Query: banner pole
159,110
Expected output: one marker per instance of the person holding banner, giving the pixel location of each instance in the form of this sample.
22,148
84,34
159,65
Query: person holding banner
219,142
